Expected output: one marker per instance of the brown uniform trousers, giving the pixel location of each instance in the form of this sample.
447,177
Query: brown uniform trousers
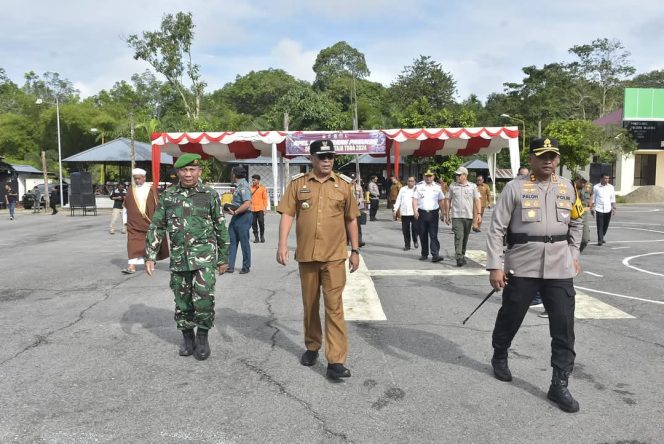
331,276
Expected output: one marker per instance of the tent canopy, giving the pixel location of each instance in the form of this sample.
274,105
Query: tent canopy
418,142
118,150
422,142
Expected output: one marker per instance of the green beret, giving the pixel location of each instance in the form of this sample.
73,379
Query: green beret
188,159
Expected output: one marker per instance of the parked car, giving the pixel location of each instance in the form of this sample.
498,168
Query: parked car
29,197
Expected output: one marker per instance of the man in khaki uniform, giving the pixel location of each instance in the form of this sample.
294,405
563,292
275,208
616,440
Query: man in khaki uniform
485,196
534,215
326,211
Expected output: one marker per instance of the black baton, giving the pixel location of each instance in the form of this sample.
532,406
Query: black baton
478,307
509,274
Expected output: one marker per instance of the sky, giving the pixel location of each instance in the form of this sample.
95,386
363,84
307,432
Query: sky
482,43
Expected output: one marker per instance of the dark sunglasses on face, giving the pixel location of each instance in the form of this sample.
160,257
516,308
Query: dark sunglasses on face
325,156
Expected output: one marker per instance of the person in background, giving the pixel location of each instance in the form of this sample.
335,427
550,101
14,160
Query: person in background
118,197
361,205
140,203
259,204
10,200
403,207
427,203
485,196
54,197
374,197
462,206
240,224
36,200
394,191
603,206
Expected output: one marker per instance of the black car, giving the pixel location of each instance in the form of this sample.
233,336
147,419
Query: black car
29,197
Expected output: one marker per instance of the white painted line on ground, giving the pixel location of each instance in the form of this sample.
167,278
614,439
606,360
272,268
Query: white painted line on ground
593,274
478,256
442,272
619,248
654,210
619,295
590,308
361,302
627,259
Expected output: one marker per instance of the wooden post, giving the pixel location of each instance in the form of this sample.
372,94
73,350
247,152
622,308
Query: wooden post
47,197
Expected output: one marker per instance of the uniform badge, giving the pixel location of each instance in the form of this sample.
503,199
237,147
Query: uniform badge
562,191
305,205
526,204
531,214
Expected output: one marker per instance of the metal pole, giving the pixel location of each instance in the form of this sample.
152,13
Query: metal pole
47,198
57,112
132,152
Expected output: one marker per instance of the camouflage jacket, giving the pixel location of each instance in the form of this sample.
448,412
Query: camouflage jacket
194,222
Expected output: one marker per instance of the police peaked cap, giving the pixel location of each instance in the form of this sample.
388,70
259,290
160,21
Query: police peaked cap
321,146
543,145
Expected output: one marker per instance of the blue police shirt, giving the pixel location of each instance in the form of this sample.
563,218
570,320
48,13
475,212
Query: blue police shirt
242,192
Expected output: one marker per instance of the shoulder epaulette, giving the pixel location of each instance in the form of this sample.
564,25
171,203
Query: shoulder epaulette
346,178
297,176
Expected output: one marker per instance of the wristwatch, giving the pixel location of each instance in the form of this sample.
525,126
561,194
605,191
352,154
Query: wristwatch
355,250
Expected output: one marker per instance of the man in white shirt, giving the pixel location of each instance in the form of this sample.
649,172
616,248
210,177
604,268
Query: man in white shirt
603,206
404,206
374,197
427,201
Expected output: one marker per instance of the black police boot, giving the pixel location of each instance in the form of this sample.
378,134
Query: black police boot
500,368
309,358
256,240
262,238
202,351
189,344
559,393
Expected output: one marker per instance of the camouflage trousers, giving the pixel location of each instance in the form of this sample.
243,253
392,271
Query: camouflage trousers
194,298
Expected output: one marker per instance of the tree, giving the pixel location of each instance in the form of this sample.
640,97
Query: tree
168,51
424,79
307,110
49,87
578,141
604,63
256,92
652,79
341,62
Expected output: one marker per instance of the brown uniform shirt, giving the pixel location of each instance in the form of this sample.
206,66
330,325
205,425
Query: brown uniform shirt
321,210
485,194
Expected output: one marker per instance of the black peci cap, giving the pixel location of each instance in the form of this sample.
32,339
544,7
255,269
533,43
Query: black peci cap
321,146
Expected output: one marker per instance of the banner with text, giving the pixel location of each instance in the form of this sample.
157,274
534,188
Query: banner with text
360,142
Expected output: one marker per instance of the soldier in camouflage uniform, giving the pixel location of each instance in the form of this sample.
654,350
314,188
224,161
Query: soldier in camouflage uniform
191,215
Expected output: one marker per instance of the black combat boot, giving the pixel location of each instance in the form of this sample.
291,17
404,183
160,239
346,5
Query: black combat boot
262,238
256,240
500,368
189,344
559,393
202,351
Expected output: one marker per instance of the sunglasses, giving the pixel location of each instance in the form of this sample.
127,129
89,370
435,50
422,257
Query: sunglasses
325,156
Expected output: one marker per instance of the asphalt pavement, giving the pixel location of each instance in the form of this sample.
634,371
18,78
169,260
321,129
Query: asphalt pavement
91,355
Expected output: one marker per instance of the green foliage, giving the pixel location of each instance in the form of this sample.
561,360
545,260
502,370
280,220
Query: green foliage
339,60
604,64
424,79
578,140
255,93
168,51
16,141
307,110
445,166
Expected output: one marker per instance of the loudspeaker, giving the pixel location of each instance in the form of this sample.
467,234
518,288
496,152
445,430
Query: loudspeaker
82,200
81,183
